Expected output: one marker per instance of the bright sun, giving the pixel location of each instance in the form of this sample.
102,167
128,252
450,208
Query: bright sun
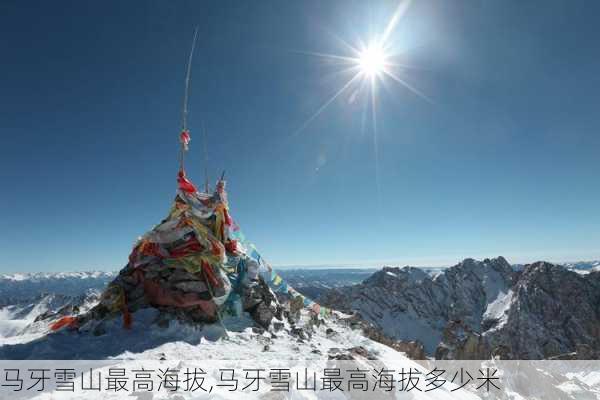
369,65
372,60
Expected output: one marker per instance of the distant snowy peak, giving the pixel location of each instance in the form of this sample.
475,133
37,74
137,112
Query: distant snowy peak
392,276
21,288
40,276
583,267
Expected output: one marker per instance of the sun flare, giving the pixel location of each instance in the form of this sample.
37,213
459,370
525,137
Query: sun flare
372,60
369,65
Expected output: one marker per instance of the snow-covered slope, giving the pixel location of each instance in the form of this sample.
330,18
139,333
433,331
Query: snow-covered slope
29,319
331,344
29,300
150,339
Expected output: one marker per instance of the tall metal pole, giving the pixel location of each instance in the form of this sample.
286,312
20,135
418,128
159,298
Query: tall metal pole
184,127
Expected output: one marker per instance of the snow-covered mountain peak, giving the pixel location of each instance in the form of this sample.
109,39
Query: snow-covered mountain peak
540,311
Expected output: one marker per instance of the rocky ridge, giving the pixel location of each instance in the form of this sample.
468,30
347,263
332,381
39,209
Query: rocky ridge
482,309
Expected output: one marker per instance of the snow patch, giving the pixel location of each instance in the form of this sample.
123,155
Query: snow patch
497,309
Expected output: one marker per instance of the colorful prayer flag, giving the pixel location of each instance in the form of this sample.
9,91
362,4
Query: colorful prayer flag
185,138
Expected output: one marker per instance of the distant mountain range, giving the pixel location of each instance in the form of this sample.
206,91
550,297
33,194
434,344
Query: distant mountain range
24,287
479,309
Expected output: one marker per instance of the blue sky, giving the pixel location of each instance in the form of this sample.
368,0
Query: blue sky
504,159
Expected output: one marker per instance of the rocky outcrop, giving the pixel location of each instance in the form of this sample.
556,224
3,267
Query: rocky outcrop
554,311
259,301
482,309
460,342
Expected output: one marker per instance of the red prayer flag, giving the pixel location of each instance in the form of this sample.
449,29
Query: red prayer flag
185,138
184,183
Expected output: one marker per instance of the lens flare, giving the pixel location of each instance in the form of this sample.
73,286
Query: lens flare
372,61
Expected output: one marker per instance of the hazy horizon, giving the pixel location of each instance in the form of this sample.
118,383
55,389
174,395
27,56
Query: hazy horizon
364,265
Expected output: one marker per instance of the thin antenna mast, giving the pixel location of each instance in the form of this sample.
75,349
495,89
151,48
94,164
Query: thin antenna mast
184,127
204,144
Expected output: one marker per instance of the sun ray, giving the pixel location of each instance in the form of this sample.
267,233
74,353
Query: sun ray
398,14
408,86
405,66
375,142
327,103
326,55
351,70
350,49
365,107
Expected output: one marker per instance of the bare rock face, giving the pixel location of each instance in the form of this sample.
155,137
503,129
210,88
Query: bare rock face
482,309
554,311
582,352
259,301
461,343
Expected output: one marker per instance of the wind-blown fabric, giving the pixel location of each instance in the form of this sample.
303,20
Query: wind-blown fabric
185,139
266,271
200,236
